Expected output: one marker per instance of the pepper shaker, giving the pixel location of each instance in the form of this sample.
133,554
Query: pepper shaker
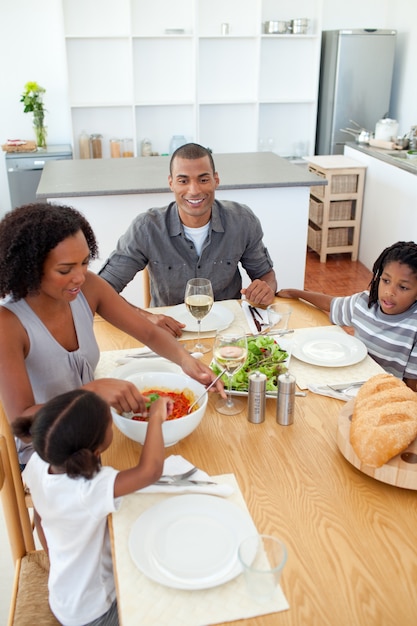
256,398
286,399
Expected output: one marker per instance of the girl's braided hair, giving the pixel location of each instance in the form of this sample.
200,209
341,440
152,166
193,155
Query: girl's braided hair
67,431
404,252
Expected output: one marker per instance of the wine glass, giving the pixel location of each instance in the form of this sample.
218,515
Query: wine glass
199,300
230,351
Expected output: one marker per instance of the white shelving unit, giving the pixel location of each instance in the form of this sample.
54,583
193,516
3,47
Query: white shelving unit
139,69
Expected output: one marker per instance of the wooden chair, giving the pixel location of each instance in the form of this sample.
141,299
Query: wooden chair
23,500
29,603
146,288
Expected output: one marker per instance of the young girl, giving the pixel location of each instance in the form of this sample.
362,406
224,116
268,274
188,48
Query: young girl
385,317
73,494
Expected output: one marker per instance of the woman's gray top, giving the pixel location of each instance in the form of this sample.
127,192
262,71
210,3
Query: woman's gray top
53,370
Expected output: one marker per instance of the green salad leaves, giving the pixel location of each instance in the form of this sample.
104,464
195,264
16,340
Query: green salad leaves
264,355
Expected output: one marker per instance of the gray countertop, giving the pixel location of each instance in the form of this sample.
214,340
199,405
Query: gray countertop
399,160
102,177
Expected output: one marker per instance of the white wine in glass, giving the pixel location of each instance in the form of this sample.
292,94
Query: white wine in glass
230,351
199,300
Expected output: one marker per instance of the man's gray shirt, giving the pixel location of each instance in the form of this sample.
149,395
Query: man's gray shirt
156,239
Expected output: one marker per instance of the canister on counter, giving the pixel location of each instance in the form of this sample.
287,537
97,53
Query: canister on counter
84,145
96,148
256,398
128,147
115,148
146,147
285,399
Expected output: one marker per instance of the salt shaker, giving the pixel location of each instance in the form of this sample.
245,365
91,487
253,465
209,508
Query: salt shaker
256,398
286,399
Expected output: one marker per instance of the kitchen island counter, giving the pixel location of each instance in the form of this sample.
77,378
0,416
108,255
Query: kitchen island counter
112,192
392,157
103,177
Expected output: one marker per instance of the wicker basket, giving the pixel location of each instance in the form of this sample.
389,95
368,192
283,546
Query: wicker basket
336,237
337,183
339,210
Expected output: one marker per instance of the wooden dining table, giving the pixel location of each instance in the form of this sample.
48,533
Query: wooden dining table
351,539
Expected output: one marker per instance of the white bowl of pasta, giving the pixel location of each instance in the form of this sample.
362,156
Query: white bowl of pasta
183,390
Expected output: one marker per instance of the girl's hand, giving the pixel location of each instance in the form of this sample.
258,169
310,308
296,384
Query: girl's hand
162,407
122,395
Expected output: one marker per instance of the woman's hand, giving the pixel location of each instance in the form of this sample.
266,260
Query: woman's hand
199,371
122,395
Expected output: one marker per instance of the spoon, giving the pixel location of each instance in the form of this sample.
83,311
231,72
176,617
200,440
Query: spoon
206,390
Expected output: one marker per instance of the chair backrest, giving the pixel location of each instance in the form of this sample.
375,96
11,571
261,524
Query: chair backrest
146,288
10,505
25,524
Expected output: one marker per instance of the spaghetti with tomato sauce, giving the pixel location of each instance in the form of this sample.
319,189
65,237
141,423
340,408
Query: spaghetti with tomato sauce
180,400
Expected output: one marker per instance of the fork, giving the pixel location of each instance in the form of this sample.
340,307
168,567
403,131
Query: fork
173,478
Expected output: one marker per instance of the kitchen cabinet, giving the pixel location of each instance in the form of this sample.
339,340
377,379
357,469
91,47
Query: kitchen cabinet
335,210
139,69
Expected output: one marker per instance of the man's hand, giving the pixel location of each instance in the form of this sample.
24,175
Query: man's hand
167,323
259,293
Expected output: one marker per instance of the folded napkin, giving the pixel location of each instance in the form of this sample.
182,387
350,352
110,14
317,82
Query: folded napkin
324,390
259,314
176,464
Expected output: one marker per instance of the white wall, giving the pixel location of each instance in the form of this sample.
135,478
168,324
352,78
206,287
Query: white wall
32,48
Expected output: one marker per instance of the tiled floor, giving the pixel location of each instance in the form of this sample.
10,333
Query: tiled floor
339,276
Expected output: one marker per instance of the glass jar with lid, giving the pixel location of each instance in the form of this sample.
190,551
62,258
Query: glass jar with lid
115,148
128,147
96,147
84,145
146,147
176,142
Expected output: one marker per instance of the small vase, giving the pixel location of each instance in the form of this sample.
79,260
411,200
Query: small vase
40,129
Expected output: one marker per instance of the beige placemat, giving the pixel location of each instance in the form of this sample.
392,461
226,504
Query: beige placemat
232,305
142,601
306,374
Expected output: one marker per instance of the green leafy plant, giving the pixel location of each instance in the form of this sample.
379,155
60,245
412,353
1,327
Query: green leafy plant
32,99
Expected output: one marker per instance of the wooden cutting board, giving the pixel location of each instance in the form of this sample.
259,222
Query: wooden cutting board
400,471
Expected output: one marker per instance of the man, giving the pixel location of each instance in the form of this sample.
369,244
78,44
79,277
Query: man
194,236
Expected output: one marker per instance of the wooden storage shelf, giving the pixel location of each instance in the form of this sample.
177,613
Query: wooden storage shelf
336,208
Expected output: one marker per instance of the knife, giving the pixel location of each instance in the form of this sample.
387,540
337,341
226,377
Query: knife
255,321
345,386
184,483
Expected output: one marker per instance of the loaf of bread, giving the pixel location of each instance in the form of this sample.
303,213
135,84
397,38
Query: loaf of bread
384,420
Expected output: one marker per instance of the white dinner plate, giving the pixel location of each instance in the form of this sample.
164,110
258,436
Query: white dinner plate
220,317
328,348
158,364
190,541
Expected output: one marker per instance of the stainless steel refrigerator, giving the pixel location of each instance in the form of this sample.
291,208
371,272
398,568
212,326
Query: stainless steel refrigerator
355,83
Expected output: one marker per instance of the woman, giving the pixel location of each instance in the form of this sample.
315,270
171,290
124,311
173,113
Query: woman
47,342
